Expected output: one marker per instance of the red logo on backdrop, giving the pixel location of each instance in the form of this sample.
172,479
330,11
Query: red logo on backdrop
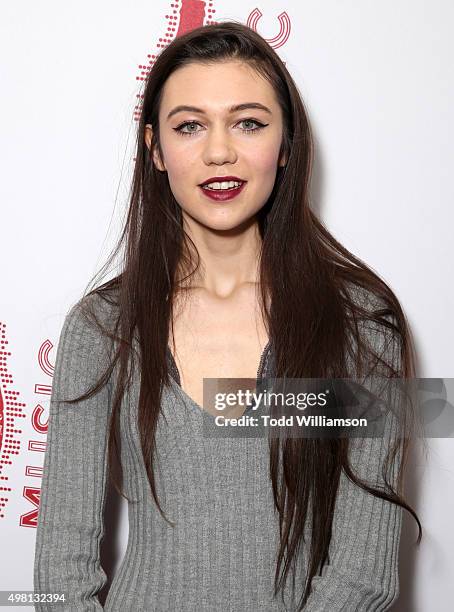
31,493
11,411
186,15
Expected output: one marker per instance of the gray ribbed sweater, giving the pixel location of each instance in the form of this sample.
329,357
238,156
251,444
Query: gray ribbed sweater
220,556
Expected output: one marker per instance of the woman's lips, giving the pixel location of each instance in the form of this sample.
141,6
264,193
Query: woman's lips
220,195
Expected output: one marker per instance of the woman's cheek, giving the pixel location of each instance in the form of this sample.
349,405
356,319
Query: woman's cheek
264,160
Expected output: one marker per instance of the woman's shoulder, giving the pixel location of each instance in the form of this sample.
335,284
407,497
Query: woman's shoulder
90,325
97,307
378,318
372,301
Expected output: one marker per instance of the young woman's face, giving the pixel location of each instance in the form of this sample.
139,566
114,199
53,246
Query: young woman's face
213,141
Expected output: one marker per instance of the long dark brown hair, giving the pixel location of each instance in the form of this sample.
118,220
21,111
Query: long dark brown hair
307,274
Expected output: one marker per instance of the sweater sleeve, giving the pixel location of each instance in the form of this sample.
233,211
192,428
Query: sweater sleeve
362,575
70,521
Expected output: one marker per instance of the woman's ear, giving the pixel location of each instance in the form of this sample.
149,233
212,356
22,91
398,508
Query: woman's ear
156,157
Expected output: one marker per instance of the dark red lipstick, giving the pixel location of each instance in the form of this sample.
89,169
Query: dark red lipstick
220,195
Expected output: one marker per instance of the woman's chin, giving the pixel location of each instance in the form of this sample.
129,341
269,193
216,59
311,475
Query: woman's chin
221,219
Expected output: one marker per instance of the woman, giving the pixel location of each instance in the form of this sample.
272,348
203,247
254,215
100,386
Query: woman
234,280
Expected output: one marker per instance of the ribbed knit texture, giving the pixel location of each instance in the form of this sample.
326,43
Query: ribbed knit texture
221,555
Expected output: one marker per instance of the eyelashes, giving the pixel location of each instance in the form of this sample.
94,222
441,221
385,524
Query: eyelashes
260,126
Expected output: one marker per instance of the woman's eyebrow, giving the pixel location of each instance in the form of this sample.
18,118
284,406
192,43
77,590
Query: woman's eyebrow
232,109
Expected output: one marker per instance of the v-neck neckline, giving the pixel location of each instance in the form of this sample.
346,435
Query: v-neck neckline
175,375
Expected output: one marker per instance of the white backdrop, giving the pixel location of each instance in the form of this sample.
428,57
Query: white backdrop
377,80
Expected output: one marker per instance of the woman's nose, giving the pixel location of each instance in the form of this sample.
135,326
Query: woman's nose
219,148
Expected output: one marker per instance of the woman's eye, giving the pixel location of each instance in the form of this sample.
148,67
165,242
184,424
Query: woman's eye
259,125
179,129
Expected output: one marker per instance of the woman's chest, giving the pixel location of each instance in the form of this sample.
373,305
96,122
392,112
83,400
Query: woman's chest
217,339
